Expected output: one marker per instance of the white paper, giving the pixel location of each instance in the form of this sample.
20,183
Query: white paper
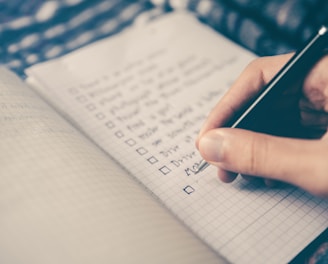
63,201
142,97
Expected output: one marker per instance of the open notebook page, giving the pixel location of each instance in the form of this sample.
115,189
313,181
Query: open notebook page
142,96
63,201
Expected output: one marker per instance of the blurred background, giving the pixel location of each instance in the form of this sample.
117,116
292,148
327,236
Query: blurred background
37,30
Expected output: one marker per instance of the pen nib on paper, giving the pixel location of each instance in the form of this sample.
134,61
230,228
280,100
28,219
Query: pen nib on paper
202,166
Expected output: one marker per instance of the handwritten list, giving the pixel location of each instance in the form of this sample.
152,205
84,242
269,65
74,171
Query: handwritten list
142,97
144,105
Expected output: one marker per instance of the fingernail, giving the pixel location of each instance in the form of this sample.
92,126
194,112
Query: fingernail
210,146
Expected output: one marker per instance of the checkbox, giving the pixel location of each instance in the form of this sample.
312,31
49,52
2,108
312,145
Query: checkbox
131,142
165,170
100,116
142,151
81,99
152,160
188,189
119,134
110,124
91,107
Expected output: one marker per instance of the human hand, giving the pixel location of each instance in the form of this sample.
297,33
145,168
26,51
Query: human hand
301,162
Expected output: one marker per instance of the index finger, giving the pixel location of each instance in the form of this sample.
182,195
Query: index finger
258,73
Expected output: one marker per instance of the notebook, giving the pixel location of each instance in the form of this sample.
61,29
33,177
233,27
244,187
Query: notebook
99,158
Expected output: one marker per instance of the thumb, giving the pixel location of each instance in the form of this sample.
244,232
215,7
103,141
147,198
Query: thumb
250,153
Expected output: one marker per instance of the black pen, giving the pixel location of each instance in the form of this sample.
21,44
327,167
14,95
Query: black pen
296,68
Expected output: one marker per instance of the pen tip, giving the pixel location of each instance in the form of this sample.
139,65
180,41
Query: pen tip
202,166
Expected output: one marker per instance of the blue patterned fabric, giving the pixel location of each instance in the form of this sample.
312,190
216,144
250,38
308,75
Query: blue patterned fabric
37,30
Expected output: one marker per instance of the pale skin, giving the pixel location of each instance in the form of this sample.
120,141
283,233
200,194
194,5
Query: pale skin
300,162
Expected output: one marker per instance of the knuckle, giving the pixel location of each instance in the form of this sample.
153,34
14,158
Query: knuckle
257,156
315,87
315,96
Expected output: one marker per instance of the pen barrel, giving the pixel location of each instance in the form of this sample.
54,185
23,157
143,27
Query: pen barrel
287,83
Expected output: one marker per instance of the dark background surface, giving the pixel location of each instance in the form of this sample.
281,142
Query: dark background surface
37,30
